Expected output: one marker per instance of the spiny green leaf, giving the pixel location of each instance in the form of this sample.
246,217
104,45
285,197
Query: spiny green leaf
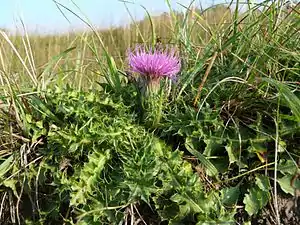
88,177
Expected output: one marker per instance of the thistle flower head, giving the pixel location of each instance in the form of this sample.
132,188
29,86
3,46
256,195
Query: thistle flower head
154,64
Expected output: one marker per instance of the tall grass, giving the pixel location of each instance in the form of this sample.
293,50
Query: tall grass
117,40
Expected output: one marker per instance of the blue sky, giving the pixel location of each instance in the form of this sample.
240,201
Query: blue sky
44,16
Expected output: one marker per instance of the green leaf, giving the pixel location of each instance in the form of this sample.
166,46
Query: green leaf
28,118
287,167
230,195
186,205
231,151
256,147
212,170
255,200
281,146
290,98
5,166
88,177
39,124
259,149
263,182
212,146
12,185
285,184
42,108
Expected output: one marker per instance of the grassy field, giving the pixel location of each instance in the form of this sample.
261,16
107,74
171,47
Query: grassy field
40,51
81,142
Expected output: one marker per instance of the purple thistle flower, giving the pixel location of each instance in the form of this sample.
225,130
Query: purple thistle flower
154,65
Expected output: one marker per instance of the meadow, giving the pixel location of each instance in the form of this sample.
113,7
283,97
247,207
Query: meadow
86,140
